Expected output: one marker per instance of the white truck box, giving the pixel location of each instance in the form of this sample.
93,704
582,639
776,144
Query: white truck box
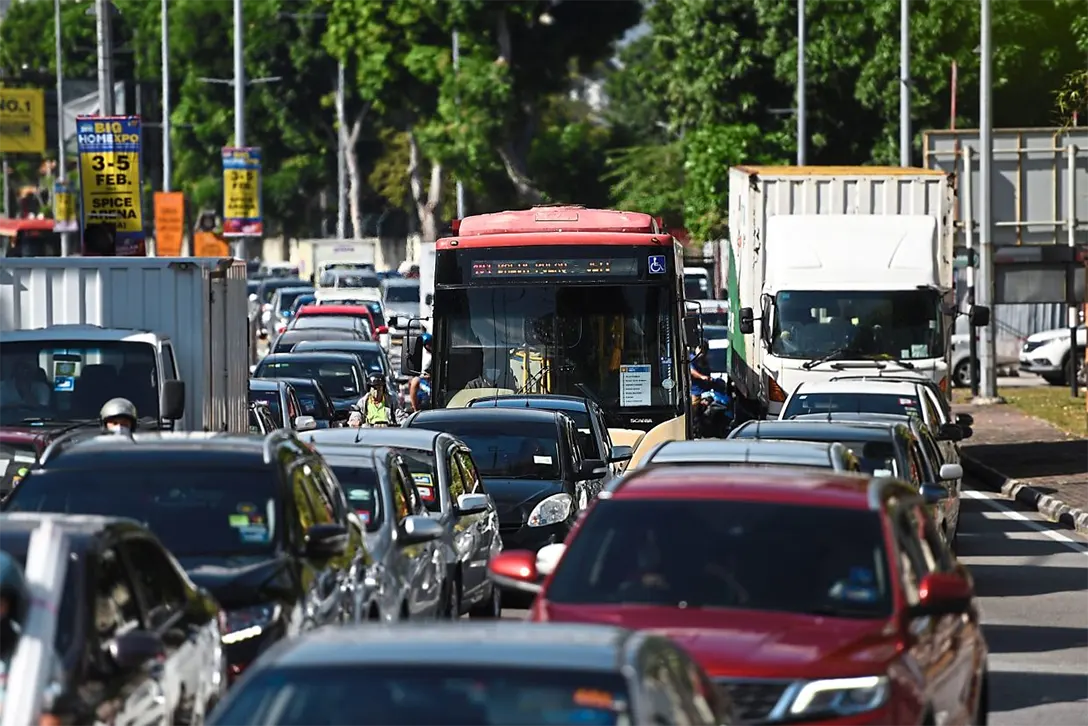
426,281
812,228
200,303
311,254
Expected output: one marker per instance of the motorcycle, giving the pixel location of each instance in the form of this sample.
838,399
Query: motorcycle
712,417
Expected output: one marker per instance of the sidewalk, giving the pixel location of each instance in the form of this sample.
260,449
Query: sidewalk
1029,460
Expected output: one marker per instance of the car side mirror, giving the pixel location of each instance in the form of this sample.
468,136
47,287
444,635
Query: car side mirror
951,472
428,299
979,317
472,504
419,529
968,432
515,570
172,399
941,593
949,432
305,423
591,469
135,648
547,558
747,322
934,493
620,454
965,419
325,541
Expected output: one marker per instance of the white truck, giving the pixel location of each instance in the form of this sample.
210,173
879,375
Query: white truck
315,256
834,269
170,334
426,281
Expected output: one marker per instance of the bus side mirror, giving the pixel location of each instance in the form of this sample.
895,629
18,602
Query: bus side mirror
747,321
979,317
693,330
411,355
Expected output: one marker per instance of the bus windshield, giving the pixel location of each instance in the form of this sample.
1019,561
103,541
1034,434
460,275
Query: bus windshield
612,344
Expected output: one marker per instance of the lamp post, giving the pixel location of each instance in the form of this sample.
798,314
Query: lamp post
802,132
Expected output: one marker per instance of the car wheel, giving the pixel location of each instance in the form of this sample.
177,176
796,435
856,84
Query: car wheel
1054,380
490,608
961,374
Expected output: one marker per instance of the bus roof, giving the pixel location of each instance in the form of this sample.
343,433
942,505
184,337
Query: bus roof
14,226
554,225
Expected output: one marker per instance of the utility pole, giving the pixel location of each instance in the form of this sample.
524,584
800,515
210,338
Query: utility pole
62,163
167,171
341,158
104,27
456,65
985,289
802,133
904,84
239,78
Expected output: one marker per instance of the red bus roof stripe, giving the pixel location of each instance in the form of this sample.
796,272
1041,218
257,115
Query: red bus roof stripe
564,218
14,226
546,239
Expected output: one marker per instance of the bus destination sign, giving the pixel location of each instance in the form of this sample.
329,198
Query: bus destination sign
609,267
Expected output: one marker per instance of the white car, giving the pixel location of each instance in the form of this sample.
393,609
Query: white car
1049,354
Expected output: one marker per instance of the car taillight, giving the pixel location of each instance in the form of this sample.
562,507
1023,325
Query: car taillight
381,330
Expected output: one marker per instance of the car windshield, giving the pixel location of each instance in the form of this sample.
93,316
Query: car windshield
340,380
288,298
360,695
421,465
716,319
716,358
338,322
610,343
901,324
506,450
351,280
62,381
370,358
233,508
363,491
872,455
64,637
639,552
402,293
806,403
269,287
312,403
272,398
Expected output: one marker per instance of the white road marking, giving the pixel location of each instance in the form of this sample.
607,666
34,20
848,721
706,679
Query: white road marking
1077,546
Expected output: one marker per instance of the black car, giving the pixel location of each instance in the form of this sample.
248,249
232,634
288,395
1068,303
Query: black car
288,339
135,637
280,397
331,322
261,523
588,417
316,402
453,493
341,374
487,673
411,574
370,354
531,465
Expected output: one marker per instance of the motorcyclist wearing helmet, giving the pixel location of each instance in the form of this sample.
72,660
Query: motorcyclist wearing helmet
118,416
425,340
419,391
376,406
14,606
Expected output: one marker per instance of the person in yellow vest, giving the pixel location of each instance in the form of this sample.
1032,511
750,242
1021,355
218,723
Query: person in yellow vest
377,409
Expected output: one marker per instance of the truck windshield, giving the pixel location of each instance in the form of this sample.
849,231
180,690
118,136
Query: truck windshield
613,344
61,381
901,324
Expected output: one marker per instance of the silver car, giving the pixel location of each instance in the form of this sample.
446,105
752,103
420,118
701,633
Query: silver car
756,452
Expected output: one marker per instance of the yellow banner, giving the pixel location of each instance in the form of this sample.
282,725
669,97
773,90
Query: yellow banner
241,194
64,209
22,120
111,189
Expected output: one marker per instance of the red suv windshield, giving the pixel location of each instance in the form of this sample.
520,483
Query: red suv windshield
765,556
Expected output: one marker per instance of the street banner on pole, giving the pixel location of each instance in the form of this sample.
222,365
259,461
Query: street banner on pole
22,120
64,209
169,223
242,192
209,244
109,173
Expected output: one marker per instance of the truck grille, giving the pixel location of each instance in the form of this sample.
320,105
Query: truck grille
753,700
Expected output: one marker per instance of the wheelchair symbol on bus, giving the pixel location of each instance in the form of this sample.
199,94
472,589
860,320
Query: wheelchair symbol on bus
657,264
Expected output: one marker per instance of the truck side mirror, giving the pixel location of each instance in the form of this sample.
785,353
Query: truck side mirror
172,400
979,316
747,321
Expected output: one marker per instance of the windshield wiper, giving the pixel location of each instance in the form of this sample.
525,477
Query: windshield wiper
833,355
847,351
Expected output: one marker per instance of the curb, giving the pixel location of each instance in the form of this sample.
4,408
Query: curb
1053,509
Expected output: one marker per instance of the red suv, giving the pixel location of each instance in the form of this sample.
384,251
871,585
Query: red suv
808,597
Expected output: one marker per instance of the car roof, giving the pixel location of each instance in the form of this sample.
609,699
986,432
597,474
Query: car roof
172,447
332,345
815,430
334,310
743,451
910,377
545,401
401,282
398,438
266,384
321,355
858,386
805,487
279,282
318,334
499,644
299,289
497,415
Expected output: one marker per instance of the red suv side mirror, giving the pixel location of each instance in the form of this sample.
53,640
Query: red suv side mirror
515,569
944,593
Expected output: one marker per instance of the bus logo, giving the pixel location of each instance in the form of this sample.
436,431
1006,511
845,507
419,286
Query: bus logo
657,264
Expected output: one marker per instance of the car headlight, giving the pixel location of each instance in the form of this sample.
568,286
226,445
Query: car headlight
840,696
554,509
246,623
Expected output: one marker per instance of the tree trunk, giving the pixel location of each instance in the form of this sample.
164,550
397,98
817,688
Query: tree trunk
515,152
350,138
426,206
